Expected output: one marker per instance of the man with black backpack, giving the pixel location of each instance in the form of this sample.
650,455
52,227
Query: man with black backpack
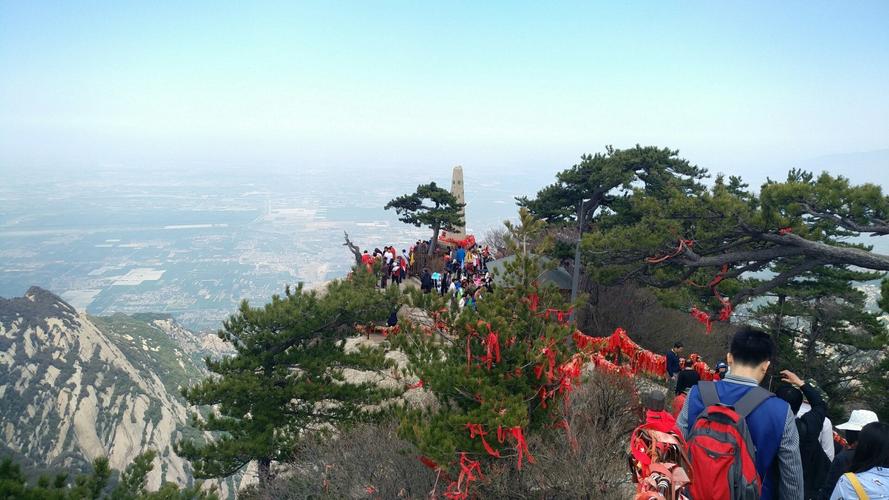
742,440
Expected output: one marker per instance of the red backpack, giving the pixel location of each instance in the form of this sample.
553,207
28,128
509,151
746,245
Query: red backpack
722,455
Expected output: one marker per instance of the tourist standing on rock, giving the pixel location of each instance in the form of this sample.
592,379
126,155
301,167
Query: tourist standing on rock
396,272
771,424
384,279
868,475
404,262
445,283
460,255
367,261
426,281
851,431
815,462
673,361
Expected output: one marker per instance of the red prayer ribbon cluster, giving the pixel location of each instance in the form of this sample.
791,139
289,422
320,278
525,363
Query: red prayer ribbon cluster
470,470
521,445
467,242
639,360
725,312
559,314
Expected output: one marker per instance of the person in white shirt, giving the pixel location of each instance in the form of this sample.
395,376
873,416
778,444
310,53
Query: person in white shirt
826,436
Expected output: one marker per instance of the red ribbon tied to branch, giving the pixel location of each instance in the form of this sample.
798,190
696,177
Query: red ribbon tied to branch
521,445
478,430
459,489
551,361
703,318
680,247
492,344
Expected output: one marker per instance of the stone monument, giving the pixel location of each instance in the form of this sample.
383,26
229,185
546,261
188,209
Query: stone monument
457,190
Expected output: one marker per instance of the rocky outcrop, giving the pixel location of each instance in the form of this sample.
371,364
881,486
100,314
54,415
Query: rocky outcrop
73,388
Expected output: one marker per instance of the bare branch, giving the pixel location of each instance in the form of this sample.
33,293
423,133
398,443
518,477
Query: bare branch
352,248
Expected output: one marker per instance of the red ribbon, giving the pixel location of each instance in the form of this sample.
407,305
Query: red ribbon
418,385
459,489
533,302
681,247
493,348
703,318
478,430
521,445
428,462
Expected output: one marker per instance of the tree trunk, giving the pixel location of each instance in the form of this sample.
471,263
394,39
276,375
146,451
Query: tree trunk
264,471
779,323
814,333
435,229
353,248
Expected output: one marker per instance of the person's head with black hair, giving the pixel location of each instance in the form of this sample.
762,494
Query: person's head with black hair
751,353
686,380
677,348
792,395
873,448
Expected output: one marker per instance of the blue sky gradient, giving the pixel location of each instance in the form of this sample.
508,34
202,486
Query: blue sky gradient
748,88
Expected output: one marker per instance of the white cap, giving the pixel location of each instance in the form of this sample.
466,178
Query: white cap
858,420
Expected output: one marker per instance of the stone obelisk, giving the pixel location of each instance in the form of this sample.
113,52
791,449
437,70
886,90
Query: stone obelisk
457,191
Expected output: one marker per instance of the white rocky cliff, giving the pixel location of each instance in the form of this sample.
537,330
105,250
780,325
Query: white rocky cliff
73,388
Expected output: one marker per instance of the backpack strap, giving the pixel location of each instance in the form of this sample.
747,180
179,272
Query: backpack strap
754,397
709,396
856,485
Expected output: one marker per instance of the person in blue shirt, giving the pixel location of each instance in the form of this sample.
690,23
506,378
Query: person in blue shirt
869,469
772,424
673,360
460,255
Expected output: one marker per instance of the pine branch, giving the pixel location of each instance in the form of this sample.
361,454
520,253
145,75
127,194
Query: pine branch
879,228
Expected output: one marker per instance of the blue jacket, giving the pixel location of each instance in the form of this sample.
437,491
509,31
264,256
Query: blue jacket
672,363
461,255
767,425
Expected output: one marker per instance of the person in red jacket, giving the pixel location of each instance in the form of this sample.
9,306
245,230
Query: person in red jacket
686,379
368,261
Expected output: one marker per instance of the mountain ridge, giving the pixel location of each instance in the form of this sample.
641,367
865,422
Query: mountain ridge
75,387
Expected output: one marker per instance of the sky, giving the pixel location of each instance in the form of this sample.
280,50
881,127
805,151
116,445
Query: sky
747,88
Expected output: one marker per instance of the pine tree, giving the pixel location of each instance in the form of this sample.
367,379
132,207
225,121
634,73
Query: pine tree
494,370
96,484
286,376
430,206
824,330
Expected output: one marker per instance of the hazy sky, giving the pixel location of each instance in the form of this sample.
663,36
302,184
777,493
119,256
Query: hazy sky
741,87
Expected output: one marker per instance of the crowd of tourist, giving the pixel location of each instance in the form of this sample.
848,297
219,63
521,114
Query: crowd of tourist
798,454
459,273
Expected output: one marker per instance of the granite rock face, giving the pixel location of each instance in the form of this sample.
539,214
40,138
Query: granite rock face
74,387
